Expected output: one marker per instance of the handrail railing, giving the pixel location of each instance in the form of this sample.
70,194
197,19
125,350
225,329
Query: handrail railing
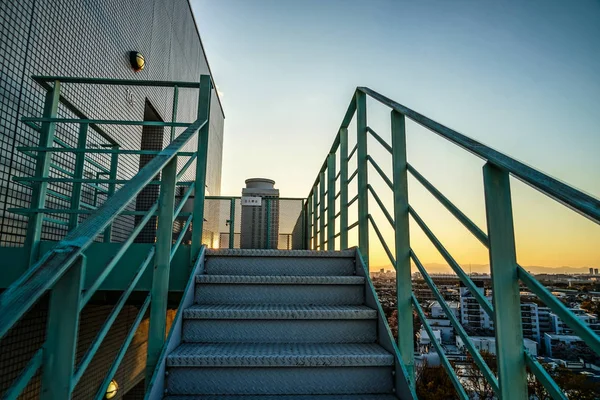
513,359
61,270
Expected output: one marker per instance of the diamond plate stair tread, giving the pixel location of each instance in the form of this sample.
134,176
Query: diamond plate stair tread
279,355
288,397
281,280
276,311
280,253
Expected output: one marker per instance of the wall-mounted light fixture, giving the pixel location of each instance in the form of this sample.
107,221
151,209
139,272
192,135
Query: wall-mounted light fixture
112,389
137,61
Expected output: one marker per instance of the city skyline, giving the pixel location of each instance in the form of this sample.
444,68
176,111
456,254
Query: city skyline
526,84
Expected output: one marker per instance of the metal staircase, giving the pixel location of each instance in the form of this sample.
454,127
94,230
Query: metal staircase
282,323
258,323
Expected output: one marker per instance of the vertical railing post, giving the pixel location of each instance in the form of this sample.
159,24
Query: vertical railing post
201,161
174,113
343,188
308,223
268,222
78,174
331,201
512,376
402,243
232,223
162,261
62,326
314,218
112,175
322,210
42,168
363,196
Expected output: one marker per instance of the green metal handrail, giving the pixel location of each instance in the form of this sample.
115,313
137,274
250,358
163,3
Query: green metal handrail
61,269
506,273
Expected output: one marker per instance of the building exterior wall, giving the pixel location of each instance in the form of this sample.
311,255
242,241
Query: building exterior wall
85,38
91,38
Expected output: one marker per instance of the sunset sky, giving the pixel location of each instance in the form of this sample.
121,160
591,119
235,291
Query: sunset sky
521,77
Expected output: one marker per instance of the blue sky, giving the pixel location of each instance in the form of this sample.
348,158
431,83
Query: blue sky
521,77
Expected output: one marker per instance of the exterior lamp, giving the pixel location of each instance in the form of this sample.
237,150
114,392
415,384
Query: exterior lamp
112,389
137,61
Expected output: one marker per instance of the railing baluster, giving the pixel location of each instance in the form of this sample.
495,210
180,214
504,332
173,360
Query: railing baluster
232,223
162,263
112,175
505,284
363,195
331,201
61,334
309,222
78,174
402,243
322,210
343,188
201,160
42,167
174,110
315,217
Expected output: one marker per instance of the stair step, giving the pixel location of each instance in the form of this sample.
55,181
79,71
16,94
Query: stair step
279,262
279,355
281,280
278,311
291,397
271,323
247,289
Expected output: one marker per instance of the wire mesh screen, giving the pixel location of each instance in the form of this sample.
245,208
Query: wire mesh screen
274,223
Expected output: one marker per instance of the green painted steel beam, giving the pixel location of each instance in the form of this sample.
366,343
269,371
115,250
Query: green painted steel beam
579,327
512,376
542,376
26,290
42,168
352,200
101,393
105,122
115,82
382,241
354,150
464,278
78,174
322,210
112,175
93,349
462,218
232,223
382,174
576,200
402,242
180,237
331,201
380,139
174,110
315,219
203,113
381,206
363,178
115,149
460,390
162,266
15,390
117,257
60,347
479,361
190,190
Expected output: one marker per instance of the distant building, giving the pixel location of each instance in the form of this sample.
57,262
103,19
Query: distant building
260,215
595,271
591,271
552,341
438,312
471,313
560,328
488,344
444,326
424,337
